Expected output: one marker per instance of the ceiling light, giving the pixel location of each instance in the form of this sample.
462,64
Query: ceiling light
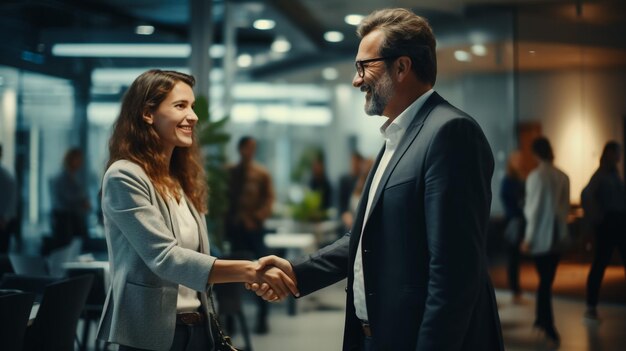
330,73
479,50
532,52
144,30
130,50
264,24
281,45
462,56
244,60
353,19
333,36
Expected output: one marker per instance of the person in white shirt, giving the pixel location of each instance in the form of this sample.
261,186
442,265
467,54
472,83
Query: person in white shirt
546,209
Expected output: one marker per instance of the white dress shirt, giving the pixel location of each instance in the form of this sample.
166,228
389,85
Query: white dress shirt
392,131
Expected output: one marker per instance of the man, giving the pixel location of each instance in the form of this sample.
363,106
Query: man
546,208
250,197
415,259
8,202
347,183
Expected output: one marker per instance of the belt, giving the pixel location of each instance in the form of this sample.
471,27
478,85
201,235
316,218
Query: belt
190,318
367,331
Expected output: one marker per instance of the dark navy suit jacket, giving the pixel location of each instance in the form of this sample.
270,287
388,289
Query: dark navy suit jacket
425,270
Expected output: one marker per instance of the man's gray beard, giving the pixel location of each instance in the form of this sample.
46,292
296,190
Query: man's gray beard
381,94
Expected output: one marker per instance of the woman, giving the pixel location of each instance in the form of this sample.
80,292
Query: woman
154,199
603,201
546,209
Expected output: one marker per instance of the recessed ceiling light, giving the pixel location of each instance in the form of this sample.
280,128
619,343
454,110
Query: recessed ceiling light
462,56
532,52
353,19
479,50
244,60
330,73
264,24
281,45
144,30
333,36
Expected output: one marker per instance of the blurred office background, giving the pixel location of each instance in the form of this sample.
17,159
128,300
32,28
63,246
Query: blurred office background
281,71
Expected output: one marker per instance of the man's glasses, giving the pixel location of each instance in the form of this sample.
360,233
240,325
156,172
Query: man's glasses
361,64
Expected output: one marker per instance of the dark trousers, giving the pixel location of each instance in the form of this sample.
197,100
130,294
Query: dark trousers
610,234
546,268
186,338
513,268
368,344
249,244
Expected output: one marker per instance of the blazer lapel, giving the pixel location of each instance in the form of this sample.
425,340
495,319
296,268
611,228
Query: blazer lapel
406,141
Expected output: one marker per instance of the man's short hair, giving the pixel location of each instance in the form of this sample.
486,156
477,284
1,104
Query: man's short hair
406,34
542,148
243,141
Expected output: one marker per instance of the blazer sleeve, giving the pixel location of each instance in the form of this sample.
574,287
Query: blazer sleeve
127,202
457,200
323,268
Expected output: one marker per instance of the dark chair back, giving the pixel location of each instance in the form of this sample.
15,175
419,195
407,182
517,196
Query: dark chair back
5,265
29,283
54,327
14,313
28,265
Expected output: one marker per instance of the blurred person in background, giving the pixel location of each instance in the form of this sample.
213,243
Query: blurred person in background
347,183
546,208
250,195
70,201
512,196
603,201
8,207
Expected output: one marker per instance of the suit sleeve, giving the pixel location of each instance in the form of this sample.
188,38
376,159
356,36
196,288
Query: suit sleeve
323,268
457,200
127,202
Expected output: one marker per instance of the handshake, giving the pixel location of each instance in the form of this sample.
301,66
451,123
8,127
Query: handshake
275,279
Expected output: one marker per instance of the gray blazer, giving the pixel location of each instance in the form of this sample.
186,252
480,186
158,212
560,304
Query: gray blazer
147,265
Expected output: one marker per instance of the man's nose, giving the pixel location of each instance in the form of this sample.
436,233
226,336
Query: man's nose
357,80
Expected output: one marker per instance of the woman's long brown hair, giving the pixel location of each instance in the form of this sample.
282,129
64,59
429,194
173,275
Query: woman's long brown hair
135,140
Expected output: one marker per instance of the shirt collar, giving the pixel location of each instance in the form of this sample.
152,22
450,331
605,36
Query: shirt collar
393,130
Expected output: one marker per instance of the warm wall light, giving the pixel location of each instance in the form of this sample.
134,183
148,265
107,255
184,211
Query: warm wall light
462,56
264,24
333,36
479,50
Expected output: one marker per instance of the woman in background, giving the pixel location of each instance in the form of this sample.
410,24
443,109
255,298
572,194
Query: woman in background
154,195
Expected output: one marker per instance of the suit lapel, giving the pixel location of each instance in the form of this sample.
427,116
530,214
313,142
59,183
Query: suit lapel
406,141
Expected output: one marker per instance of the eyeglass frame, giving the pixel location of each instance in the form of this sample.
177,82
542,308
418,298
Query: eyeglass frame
361,63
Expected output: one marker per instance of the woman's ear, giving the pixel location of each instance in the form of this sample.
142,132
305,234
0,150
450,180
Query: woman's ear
147,117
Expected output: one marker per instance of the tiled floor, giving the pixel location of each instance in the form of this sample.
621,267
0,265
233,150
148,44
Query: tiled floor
319,324
313,329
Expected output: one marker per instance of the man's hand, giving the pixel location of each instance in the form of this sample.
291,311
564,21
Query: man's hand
525,247
277,279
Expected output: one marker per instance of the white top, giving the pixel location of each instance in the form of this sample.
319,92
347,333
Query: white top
188,300
546,206
392,131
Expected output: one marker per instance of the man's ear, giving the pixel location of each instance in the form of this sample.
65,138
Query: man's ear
403,67
147,117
